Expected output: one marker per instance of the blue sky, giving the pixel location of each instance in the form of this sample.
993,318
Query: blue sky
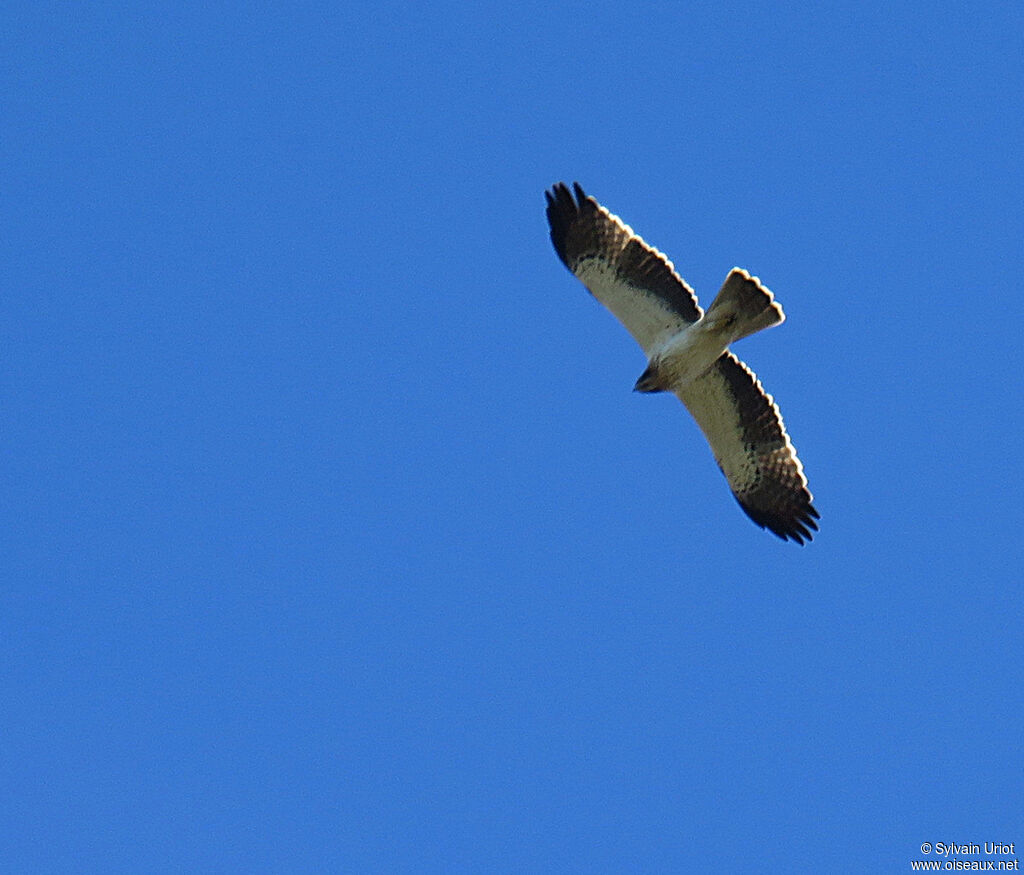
335,538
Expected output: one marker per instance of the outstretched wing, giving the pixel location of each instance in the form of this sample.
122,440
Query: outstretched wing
633,280
745,430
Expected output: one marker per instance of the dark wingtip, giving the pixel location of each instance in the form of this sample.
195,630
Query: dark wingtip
798,525
559,193
562,212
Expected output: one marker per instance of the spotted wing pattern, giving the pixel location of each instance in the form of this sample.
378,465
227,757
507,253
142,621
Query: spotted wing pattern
744,428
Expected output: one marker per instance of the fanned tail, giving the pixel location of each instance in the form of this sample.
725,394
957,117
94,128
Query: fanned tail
744,305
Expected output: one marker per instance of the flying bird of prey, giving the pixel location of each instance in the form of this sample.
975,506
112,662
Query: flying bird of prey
688,354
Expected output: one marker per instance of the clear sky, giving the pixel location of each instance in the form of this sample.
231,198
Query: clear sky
334,539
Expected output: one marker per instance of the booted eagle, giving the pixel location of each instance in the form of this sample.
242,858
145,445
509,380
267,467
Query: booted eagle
688,353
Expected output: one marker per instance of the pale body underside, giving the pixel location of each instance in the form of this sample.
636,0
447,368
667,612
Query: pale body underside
679,351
